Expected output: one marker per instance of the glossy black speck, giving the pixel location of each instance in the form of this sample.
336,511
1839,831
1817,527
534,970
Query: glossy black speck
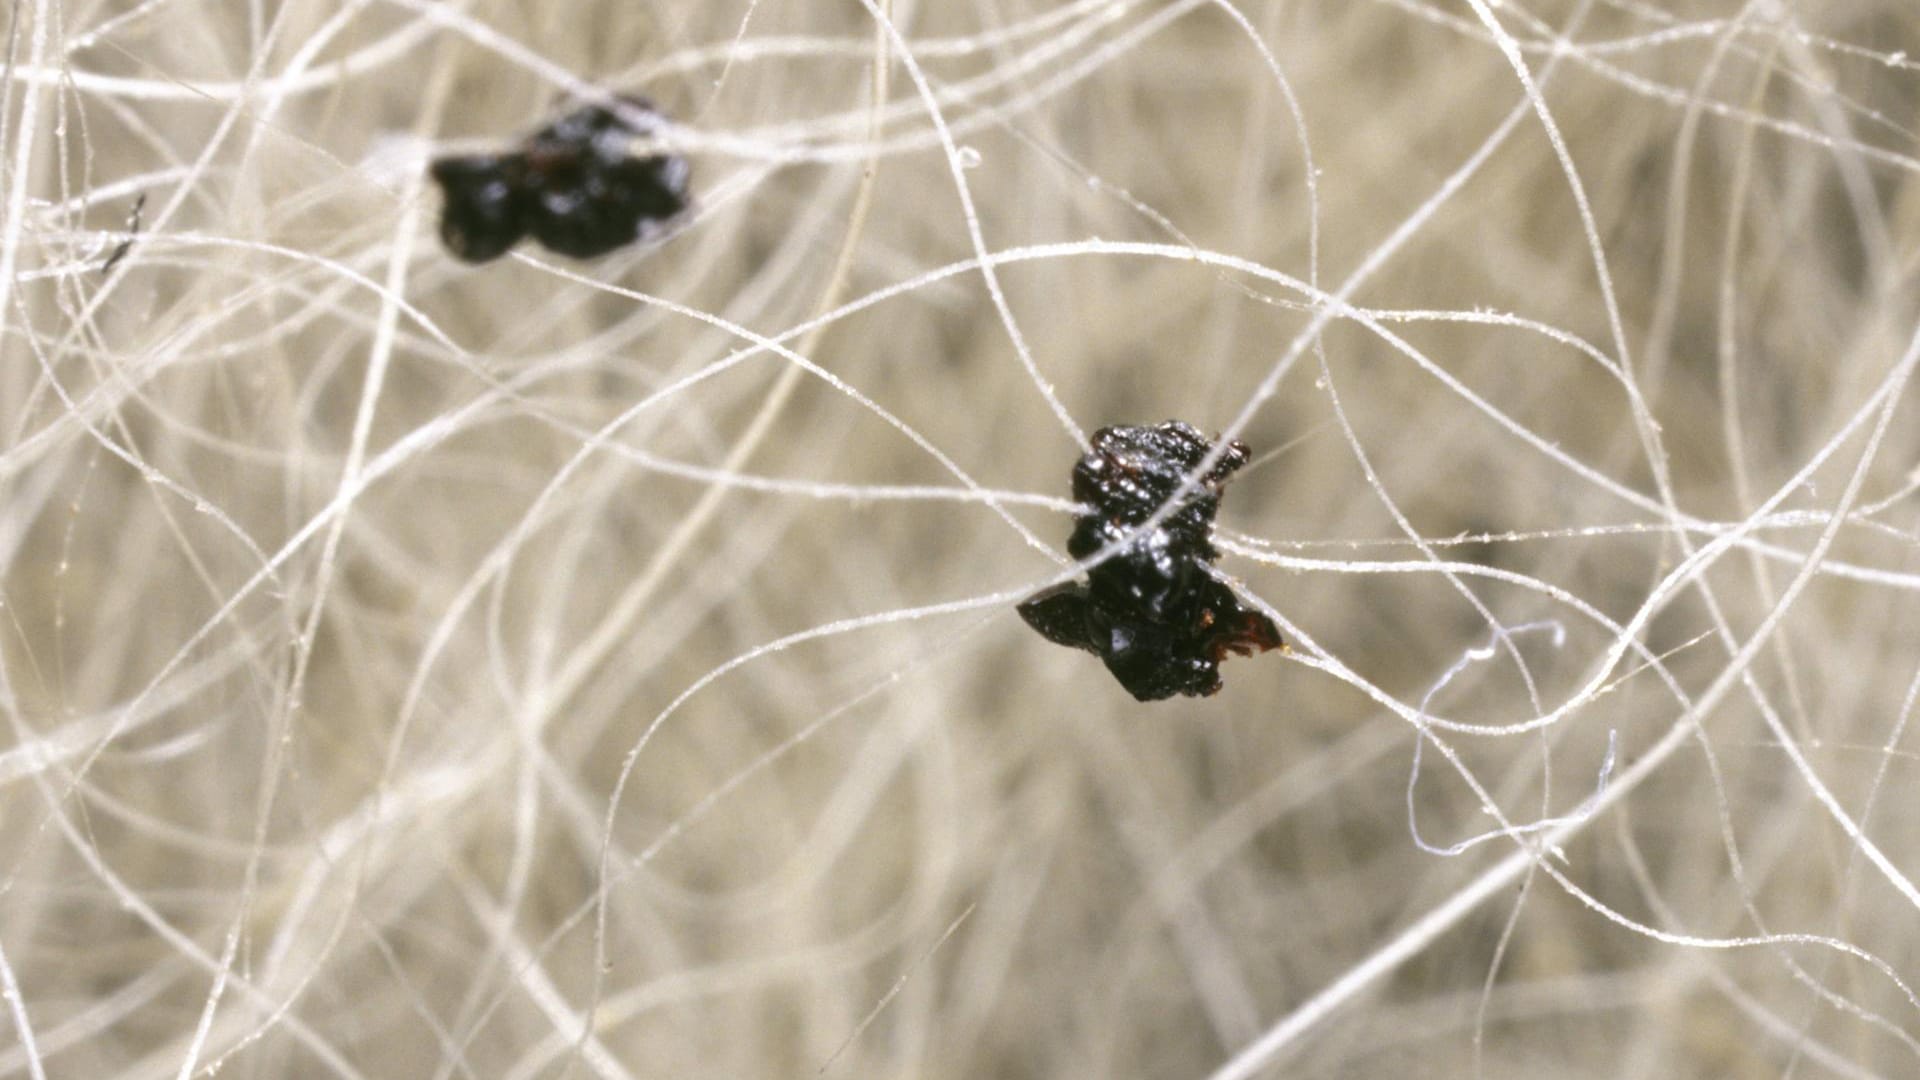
1151,611
572,186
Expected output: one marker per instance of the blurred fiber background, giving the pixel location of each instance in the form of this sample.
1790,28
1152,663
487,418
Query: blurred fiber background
610,669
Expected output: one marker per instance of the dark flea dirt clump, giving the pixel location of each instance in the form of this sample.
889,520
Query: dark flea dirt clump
1151,611
571,185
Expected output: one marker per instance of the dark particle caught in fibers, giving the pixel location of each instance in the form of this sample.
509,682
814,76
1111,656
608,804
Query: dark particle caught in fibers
1151,610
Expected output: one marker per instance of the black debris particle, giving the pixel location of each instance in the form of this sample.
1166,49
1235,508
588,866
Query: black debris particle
121,249
1151,611
572,186
482,217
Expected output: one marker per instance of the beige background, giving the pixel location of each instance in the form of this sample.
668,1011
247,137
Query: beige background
406,663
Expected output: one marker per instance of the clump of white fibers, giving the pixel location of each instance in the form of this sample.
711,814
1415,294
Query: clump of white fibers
610,668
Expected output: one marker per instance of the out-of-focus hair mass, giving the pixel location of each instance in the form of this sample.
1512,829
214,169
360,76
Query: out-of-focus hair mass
558,612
